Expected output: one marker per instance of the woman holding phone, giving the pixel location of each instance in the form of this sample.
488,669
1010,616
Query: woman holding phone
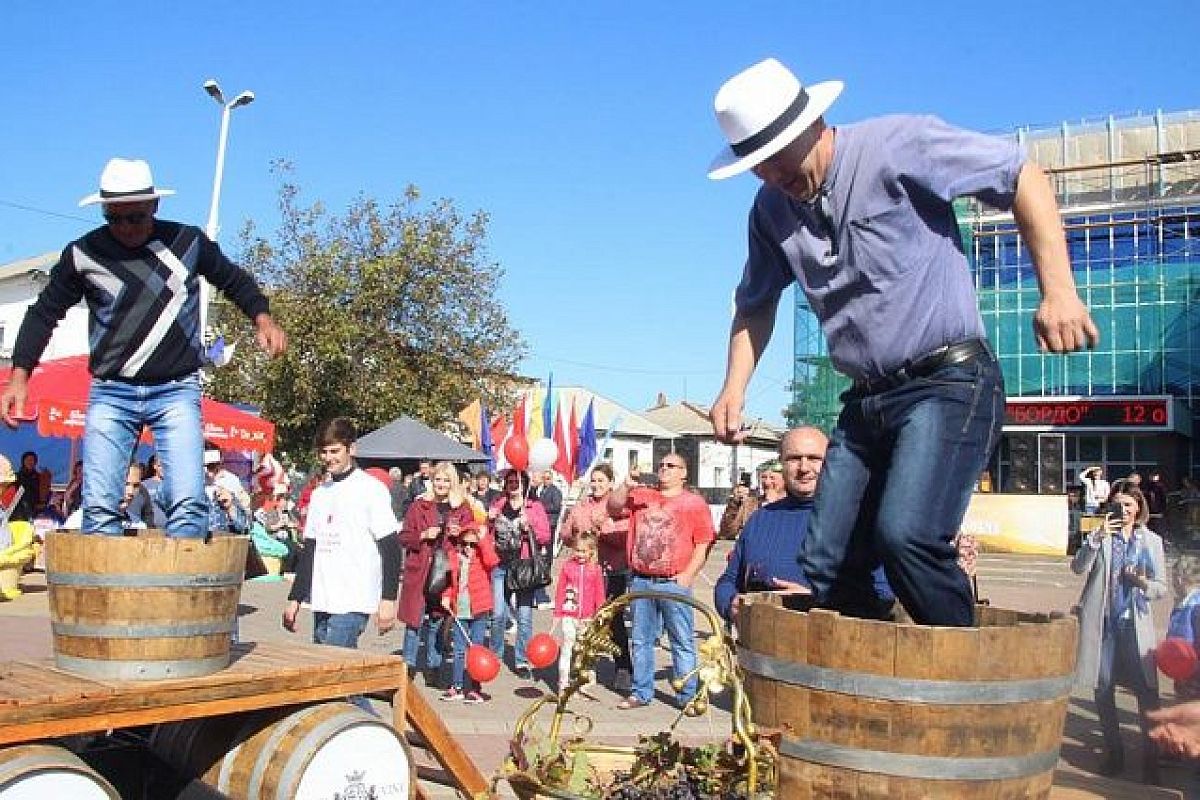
1125,569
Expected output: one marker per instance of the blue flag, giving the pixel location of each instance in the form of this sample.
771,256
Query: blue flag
586,449
548,409
485,438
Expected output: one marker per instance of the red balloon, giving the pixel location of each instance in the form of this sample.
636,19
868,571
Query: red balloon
380,474
1176,658
516,452
542,651
482,664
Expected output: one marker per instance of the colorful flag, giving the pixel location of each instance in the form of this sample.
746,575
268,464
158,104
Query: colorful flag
470,418
548,407
485,439
518,423
573,438
563,463
536,429
585,453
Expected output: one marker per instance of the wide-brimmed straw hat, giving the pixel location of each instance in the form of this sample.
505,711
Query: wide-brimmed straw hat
125,181
761,111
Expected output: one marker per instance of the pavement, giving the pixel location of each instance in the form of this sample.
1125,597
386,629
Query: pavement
1024,583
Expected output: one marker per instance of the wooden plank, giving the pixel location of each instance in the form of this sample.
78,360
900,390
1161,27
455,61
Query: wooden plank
101,720
444,747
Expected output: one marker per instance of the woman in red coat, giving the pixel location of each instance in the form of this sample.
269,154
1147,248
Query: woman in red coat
432,521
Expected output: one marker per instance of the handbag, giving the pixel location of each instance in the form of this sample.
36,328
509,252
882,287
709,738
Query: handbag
438,578
525,574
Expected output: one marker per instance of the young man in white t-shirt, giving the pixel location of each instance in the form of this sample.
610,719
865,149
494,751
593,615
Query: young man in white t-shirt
350,565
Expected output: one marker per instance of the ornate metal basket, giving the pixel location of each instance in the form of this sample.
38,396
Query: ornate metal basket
560,760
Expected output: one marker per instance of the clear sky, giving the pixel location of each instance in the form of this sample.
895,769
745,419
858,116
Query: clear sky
583,129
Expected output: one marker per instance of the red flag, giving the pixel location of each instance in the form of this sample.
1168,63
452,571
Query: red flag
499,432
562,464
572,440
518,425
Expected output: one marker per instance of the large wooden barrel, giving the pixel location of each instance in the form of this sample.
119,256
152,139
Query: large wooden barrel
298,753
874,709
144,607
45,772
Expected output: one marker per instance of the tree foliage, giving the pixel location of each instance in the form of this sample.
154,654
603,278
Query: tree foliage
389,310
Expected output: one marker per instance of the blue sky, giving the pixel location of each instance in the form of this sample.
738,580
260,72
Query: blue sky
583,129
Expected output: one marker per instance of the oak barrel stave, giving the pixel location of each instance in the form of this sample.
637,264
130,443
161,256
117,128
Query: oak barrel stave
46,771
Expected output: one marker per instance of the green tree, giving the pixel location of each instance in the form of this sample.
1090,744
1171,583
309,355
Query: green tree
815,395
388,310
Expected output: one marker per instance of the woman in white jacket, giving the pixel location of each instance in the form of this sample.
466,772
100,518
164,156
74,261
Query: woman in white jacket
1125,570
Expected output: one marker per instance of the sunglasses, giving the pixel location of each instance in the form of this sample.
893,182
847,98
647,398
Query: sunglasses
135,218
669,465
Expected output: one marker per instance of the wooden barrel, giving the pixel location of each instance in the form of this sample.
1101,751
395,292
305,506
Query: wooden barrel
873,709
318,751
44,772
144,607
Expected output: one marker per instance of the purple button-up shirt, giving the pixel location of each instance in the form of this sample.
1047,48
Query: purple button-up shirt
879,255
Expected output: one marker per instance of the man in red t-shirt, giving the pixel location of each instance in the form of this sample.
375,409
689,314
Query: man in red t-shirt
670,533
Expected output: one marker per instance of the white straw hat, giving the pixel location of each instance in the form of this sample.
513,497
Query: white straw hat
761,111
125,181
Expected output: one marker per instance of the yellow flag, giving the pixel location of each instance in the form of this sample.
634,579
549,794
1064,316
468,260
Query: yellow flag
536,429
470,417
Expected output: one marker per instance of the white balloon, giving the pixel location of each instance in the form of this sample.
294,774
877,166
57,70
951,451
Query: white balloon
542,455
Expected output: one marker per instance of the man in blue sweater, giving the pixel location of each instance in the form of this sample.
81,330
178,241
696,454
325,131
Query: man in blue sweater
765,557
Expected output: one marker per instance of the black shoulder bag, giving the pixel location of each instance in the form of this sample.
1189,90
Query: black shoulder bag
529,573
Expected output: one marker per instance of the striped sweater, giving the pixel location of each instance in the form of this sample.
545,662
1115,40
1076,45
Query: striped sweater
144,304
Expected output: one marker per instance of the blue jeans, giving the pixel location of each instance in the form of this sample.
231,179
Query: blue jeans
428,634
500,615
115,416
342,630
339,630
500,610
477,628
898,475
649,617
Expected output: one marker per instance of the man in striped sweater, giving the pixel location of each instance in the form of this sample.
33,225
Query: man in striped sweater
141,279
766,556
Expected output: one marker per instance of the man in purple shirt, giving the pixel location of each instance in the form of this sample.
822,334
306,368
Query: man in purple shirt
861,217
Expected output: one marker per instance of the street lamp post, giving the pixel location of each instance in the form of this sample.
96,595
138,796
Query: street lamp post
213,227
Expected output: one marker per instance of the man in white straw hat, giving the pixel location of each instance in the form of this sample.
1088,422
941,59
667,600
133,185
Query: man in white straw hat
860,217
140,276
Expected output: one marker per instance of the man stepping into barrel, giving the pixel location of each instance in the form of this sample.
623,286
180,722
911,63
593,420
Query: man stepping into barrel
861,217
141,278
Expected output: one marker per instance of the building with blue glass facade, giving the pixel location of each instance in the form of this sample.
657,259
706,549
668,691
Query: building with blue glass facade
1129,192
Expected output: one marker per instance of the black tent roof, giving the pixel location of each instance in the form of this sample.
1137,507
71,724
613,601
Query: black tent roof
407,439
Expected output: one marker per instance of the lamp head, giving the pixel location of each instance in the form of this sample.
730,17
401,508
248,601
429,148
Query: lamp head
214,91
243,99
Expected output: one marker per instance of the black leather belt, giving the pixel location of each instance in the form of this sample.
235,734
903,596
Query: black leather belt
654,578
945,356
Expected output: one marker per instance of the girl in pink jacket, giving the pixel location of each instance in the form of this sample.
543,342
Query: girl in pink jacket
579,596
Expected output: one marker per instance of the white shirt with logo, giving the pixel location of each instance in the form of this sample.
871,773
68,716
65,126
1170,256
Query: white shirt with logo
346,518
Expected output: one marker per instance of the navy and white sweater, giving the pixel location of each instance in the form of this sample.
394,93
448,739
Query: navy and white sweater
144,303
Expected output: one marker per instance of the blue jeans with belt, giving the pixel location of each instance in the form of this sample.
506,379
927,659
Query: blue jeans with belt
898,475
116,413
651,616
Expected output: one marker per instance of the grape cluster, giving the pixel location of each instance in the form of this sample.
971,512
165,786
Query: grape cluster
682,788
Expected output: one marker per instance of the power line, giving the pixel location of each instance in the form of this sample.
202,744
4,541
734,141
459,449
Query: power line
43,211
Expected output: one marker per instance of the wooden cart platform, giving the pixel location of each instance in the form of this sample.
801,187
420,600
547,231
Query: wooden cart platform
40,701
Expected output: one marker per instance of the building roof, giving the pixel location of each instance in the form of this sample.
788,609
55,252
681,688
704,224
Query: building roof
607,412
690,419
41,263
